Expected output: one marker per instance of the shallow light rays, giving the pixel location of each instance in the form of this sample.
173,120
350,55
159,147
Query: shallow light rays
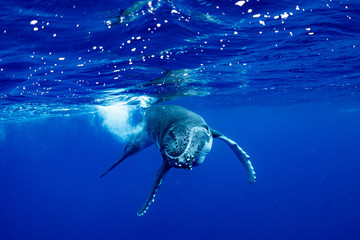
2,134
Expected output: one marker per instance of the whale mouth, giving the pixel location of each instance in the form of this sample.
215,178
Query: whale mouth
185,147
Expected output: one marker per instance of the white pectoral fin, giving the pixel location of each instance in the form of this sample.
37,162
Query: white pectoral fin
241,154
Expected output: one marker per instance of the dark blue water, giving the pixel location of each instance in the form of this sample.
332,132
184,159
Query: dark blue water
279,77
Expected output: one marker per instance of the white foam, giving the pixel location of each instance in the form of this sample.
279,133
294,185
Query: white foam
240,3
33,22
118,119
123,117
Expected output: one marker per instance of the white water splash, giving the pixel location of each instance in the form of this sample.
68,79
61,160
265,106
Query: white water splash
117,119
122,119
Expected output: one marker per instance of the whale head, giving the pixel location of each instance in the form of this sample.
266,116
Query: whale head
186,146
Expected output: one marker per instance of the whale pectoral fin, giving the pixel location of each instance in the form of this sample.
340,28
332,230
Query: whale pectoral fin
241,154
165,167
131,148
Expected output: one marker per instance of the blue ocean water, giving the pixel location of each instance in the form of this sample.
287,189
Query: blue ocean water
279,77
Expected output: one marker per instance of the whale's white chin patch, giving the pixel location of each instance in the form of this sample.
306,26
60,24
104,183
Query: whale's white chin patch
206,149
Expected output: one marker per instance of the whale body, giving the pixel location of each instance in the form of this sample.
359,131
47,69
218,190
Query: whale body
183,138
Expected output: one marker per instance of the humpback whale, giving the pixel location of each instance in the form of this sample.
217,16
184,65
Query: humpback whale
183,138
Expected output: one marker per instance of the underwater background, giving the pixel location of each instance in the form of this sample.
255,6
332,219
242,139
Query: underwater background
281,78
